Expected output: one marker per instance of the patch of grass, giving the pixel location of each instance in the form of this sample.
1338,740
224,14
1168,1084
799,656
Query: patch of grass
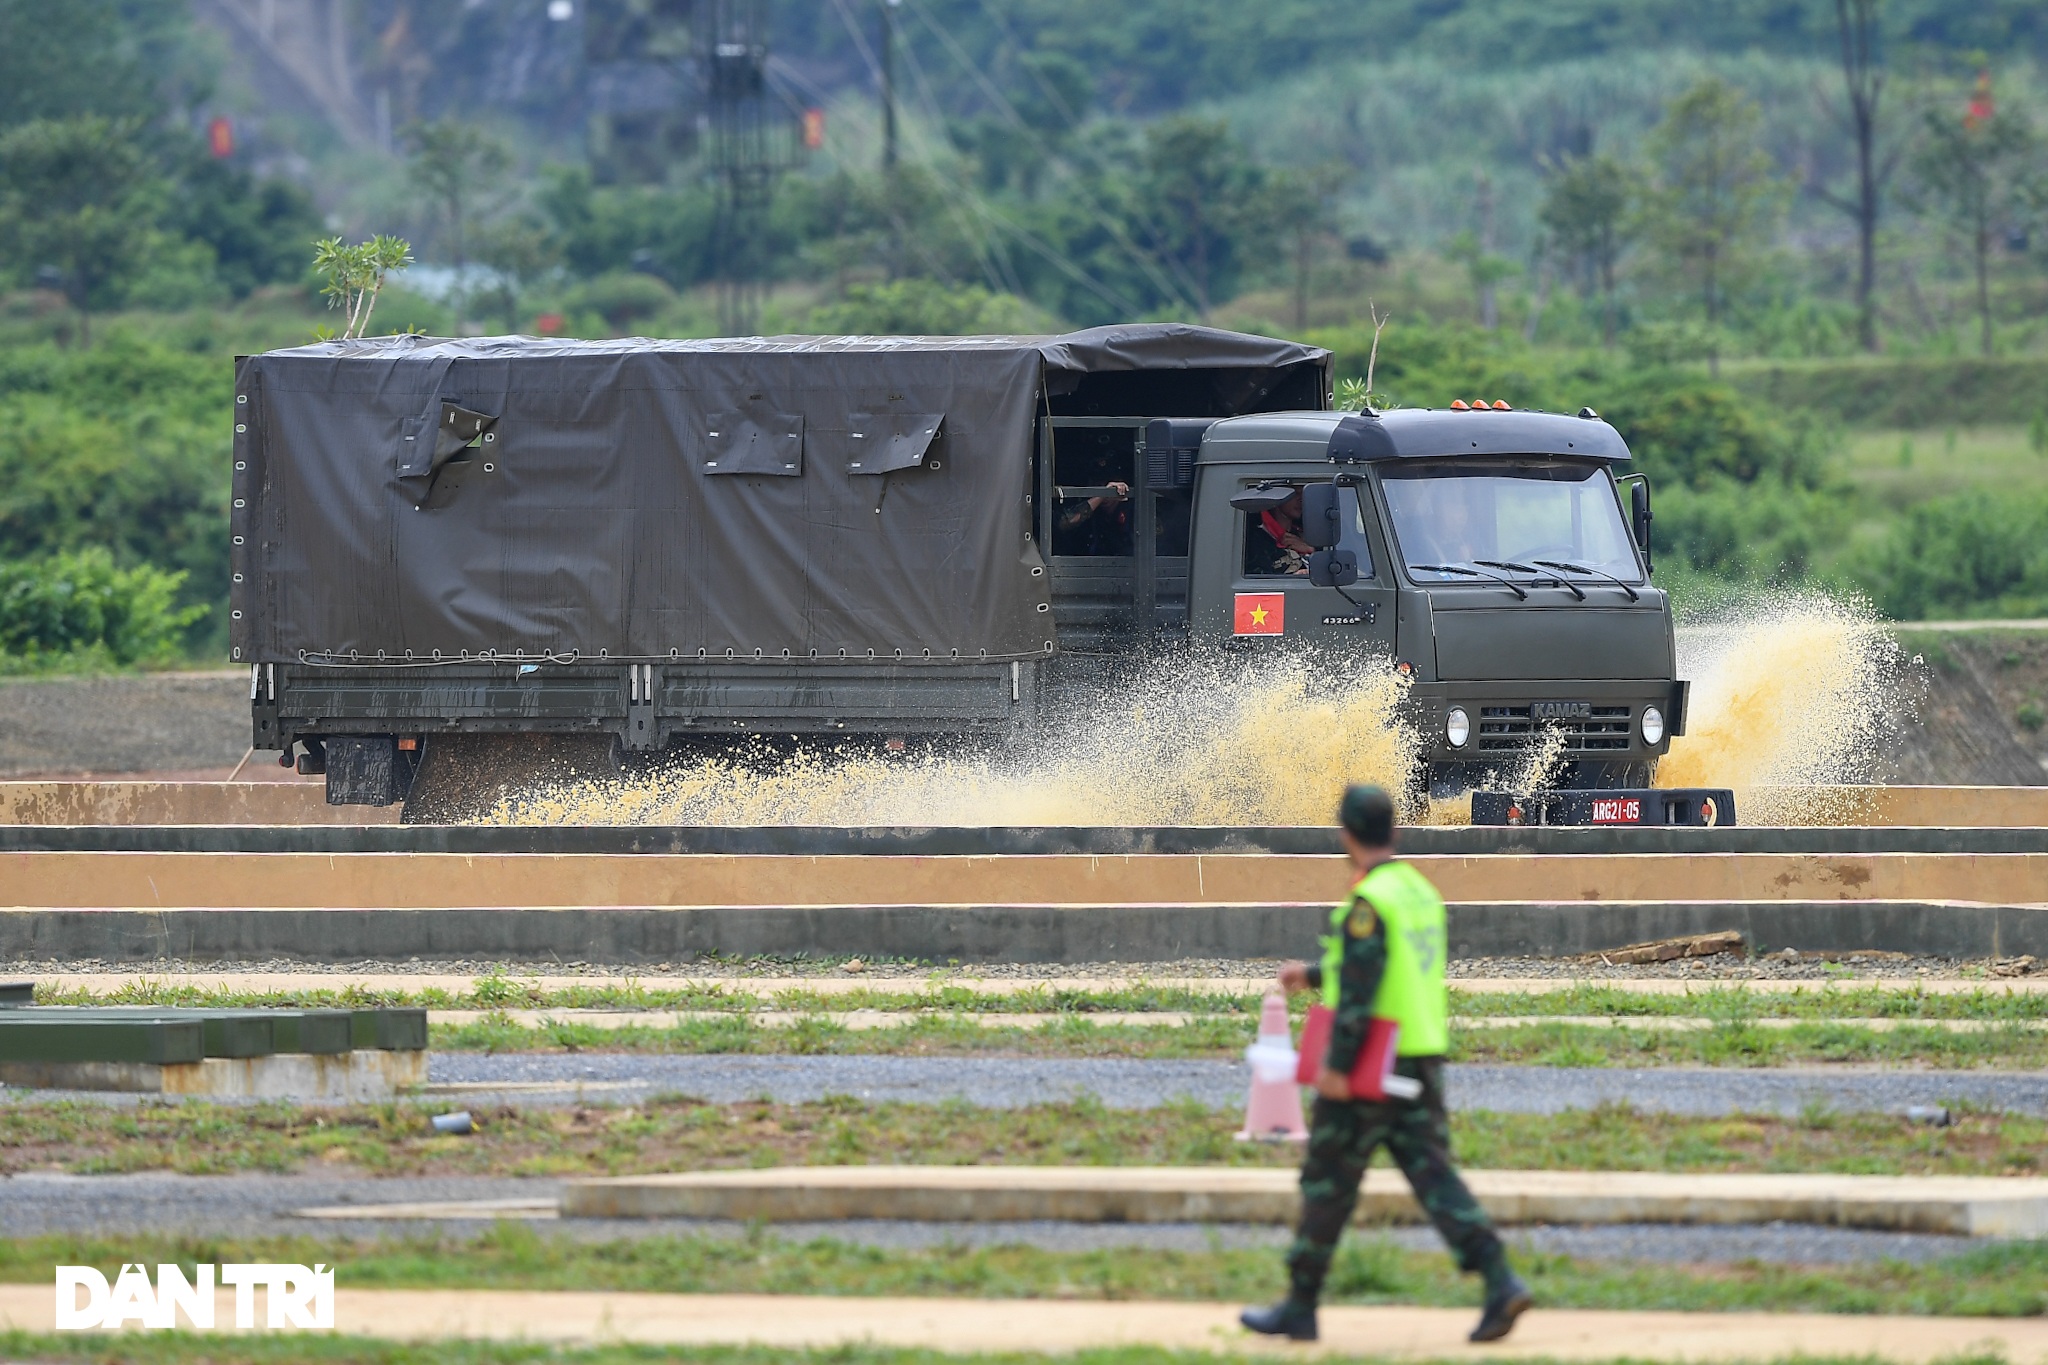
500,991
1742,1043
1732,1041
1944,460
678,1133
2008,1279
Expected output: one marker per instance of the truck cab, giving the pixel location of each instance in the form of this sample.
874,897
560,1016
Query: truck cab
1484,554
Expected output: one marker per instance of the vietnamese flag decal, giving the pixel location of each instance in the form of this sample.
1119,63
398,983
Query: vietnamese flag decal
1261,613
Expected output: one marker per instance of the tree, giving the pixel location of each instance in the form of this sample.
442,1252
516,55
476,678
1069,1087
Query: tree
1716,193
76,194
355,275
460,167
519,251
1980,174
1859,26
1588,207
1300,208
1203,188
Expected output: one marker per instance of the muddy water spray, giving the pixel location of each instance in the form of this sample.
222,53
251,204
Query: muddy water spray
1788,694
1238,743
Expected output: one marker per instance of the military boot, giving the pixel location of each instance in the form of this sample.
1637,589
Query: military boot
1288,1318
1503,1306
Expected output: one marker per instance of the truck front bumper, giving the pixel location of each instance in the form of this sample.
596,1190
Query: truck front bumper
1594,722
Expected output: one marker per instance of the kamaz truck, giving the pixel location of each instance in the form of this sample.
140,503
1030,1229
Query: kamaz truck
452,556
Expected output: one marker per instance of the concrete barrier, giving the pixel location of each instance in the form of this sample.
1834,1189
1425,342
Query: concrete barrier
383,880
304,803
348,1077
1169,932
1015,841
1969,1206
181,803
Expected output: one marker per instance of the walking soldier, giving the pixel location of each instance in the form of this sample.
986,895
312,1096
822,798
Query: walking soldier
1383,958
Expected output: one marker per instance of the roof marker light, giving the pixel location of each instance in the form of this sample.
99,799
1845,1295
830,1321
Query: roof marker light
1499,406
1460,405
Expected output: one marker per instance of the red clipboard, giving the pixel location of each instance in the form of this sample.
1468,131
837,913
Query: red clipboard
1372,1076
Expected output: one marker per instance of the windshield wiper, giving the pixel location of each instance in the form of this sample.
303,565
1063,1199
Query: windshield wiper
1537,578
1633,595
1507,583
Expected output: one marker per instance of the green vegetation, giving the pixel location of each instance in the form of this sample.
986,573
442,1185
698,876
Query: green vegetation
1562,205
2006,1280
680,1133
76,612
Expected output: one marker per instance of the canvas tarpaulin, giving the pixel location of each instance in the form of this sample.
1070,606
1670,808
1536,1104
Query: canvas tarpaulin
654,499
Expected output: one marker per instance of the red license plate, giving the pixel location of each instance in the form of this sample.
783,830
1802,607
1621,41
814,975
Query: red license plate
1617,810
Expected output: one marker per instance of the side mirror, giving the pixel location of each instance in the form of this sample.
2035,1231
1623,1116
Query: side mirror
1333,568
1320,526
1639,515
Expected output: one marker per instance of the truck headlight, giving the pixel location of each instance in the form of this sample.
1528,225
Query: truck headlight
1457,727
1653,725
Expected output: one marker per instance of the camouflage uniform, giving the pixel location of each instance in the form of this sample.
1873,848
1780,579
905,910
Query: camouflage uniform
1344,1134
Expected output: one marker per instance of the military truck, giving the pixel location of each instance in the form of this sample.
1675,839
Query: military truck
508,547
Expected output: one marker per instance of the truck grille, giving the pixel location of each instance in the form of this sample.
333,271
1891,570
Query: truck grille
1506,728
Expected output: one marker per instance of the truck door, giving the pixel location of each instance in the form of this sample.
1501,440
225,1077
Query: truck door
1260,595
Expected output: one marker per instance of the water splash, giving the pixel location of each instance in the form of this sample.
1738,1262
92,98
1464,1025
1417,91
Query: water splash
1790,693
1228,742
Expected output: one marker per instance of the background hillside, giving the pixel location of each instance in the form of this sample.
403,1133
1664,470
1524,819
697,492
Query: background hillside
1648,207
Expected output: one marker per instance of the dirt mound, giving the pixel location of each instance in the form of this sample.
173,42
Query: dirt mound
1981,697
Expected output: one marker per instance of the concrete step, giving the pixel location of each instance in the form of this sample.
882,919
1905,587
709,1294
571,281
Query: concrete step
426,880
1956,1205
609,931
1067,1326
298,803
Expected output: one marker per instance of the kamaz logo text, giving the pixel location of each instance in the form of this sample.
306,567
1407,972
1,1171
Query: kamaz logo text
1560,710
296,1296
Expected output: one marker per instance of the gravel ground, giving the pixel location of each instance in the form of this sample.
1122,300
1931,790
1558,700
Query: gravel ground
261,1205
463,1080
1123,1083
1804,967
123,724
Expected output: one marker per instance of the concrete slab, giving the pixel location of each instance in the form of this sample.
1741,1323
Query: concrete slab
147,802
429,880
1072,932
930,841
1063,1327
181,803
1955,1205
349,1077
438,1210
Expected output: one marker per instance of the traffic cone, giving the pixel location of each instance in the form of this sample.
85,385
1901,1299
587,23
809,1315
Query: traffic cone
1272,1112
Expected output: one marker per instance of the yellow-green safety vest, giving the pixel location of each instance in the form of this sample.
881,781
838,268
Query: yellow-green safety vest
1412,991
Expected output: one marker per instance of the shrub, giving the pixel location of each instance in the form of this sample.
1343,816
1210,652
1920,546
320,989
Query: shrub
923,308
79,607
1973,554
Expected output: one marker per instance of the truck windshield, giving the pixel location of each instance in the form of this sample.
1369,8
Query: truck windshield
1467,512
